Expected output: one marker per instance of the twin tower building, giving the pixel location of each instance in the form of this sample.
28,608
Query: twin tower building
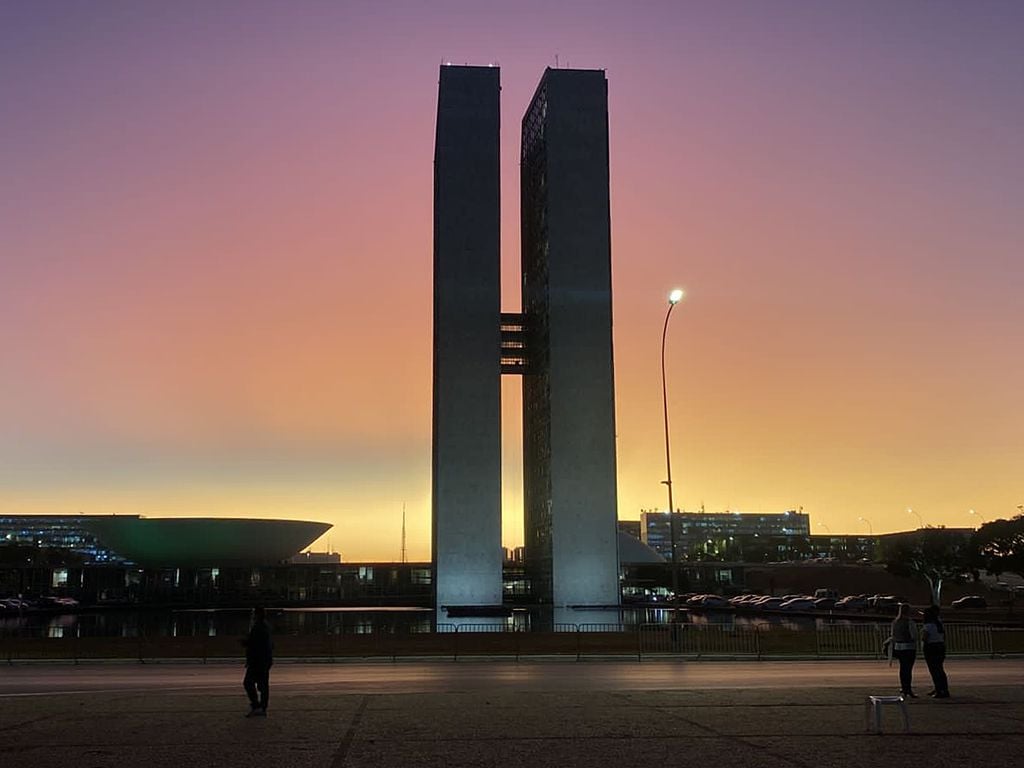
560,344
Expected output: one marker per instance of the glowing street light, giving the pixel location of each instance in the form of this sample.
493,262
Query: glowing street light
912,512
871,531
827,529
673,298
979,516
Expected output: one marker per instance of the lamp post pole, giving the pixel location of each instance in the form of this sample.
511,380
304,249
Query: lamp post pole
673,298
917,515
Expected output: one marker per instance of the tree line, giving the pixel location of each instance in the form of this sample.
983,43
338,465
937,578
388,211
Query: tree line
942,555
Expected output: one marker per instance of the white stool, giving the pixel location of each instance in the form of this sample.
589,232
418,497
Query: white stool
873,711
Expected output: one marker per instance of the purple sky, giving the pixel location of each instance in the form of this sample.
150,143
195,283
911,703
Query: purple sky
215,253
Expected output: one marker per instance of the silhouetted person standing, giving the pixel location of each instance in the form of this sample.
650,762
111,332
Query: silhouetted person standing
259,657
934,641
904,647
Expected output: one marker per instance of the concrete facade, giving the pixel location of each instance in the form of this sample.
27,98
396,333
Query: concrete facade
466,471
561,344
568,391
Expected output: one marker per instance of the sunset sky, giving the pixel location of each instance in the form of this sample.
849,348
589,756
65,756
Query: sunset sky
215,254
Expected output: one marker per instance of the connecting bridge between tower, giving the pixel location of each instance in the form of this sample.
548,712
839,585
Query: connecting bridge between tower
515,357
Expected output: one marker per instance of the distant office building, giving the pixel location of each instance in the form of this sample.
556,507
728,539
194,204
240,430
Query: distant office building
315,558
70,533
728,535
844,547
631,527
561,344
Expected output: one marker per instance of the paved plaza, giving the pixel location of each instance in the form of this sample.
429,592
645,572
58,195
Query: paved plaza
500,713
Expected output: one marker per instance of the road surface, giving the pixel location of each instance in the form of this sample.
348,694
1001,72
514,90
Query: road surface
503,714
479,675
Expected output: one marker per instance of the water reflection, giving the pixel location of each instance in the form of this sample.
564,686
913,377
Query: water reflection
729,620
338,621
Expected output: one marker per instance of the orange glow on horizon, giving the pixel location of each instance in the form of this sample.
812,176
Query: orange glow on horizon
215,264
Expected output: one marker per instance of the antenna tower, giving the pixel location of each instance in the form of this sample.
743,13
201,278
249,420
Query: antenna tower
403,531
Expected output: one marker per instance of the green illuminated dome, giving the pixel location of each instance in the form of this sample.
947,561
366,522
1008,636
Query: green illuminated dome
204,541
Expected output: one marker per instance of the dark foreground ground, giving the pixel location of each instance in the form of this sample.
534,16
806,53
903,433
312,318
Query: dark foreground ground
503,713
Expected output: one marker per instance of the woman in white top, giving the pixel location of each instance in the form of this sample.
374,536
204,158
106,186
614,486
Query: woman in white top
904,647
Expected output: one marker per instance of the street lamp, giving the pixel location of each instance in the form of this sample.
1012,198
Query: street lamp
673,298
871,531
980,517
827,529
912,512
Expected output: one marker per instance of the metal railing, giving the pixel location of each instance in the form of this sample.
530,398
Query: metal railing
459,641
968,639
699,640
851,640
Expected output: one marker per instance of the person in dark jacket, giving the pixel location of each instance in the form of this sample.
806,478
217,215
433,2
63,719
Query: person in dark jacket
259,657
934,640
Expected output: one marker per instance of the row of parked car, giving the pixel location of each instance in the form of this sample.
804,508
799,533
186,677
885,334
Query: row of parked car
890,603
818,602
15,605
761,602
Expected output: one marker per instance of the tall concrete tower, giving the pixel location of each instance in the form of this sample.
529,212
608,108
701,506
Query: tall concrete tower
561,344
568,389
466,473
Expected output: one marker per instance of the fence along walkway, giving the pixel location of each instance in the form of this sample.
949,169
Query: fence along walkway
968,639
845,640
693,641
698,640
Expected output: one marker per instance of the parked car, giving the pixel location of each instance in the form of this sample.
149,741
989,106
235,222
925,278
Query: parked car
851,603
713,601
706,601
798,604
769,603
884,602
824,604
971,601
